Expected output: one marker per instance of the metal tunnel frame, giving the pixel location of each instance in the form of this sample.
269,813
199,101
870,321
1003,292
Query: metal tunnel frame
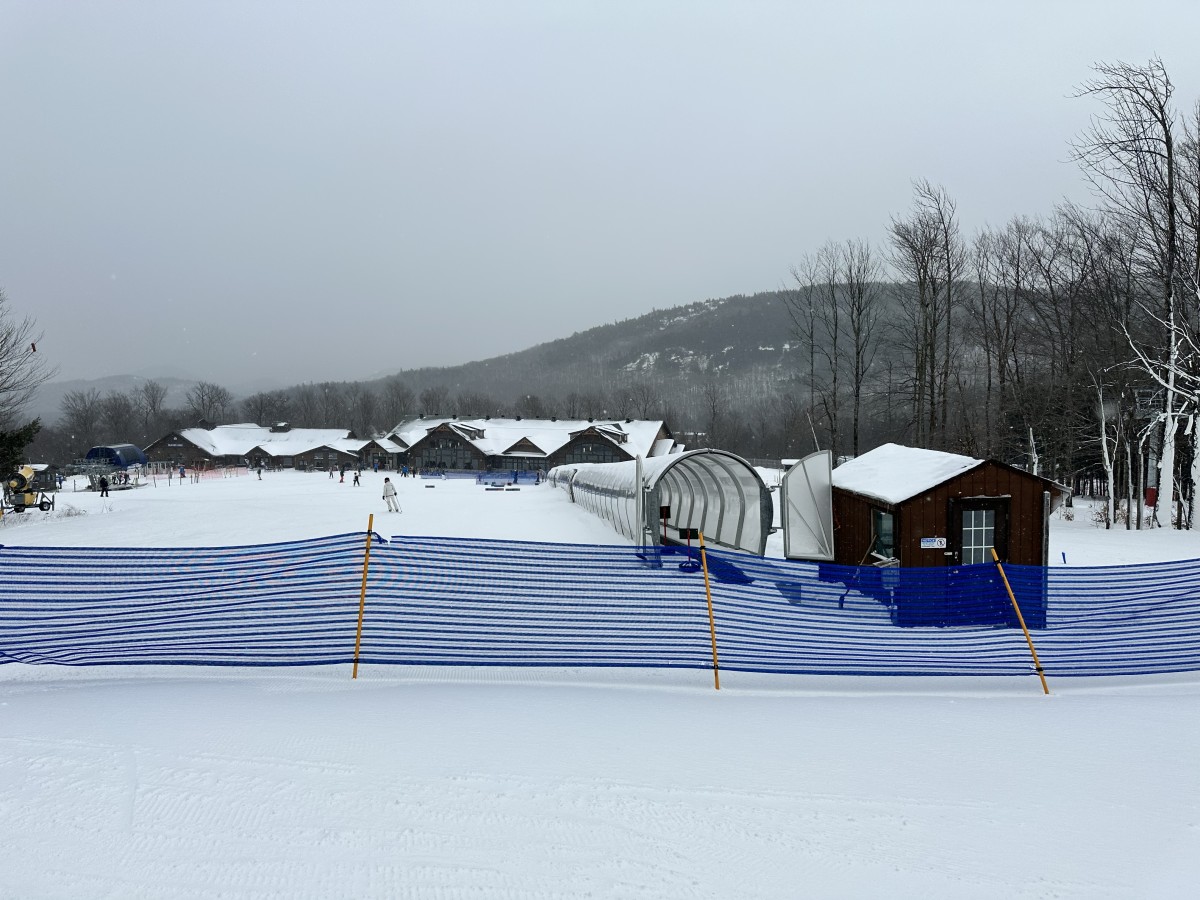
713,491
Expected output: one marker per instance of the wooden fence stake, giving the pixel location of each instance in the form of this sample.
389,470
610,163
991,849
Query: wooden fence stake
362,596
712,624
1020,618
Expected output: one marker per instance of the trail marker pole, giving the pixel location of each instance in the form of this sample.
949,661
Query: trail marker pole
1037,666
362,596
712,623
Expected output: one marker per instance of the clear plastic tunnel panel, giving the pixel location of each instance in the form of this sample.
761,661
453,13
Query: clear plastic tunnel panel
716,492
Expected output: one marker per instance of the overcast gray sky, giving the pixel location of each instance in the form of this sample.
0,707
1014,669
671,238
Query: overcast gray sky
310,191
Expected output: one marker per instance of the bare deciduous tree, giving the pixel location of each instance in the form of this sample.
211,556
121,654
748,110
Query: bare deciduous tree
396,402
1129,156
646,397
331,405
929,255
266,407
435,400
209,402
81,413
475,404
303,406
863,300
118,417
148,400
361,409
715,412
22,369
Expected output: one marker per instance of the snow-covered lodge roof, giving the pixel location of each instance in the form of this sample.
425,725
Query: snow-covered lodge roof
893,473
387,446
542,437
276,441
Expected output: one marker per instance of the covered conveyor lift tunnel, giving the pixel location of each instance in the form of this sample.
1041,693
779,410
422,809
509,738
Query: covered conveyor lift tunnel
710,491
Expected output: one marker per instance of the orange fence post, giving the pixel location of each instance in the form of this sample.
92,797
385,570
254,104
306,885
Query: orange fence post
1020,618
362,596
712,623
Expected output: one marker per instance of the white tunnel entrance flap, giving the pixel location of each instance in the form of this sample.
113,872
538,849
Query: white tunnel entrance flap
807,508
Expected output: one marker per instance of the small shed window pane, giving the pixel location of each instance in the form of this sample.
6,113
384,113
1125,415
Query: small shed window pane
978,535
883,524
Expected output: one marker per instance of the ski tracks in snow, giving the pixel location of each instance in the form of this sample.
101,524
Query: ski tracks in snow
277,786
147,823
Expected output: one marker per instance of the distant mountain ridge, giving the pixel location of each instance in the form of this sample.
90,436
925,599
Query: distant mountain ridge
732,337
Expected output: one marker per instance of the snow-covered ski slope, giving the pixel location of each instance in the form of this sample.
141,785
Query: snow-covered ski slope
419,781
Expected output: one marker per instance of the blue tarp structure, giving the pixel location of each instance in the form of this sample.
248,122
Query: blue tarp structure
120,455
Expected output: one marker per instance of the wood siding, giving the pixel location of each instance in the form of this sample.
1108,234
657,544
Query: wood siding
852,534
176,449
444,448
575,451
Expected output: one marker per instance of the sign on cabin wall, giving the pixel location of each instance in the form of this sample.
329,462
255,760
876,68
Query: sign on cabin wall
933,543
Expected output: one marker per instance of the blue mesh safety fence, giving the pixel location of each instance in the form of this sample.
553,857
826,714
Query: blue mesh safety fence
449,601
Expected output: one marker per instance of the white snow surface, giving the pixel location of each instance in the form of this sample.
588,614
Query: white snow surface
188,782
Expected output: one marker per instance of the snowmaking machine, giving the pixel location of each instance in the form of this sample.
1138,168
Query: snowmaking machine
25,488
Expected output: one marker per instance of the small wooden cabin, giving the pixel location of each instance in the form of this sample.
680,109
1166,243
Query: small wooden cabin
928,508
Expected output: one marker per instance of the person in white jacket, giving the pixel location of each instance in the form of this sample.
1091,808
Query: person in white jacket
389,495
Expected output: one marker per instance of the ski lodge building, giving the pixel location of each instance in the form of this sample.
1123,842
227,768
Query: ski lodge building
527,444
274,446
421,443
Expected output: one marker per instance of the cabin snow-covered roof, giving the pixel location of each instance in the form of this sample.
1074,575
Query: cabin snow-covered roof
893,473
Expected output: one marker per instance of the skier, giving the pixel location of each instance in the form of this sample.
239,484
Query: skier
103,486
356,479
389,495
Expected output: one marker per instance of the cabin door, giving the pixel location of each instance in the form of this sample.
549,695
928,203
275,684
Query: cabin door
978,524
